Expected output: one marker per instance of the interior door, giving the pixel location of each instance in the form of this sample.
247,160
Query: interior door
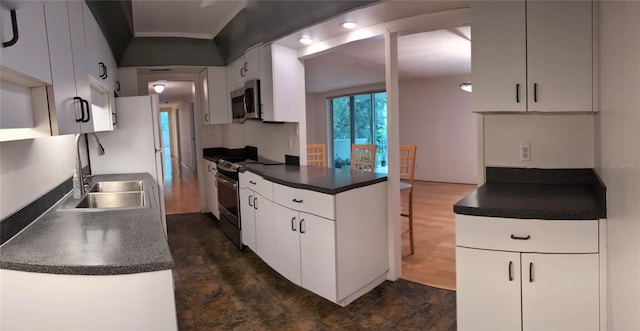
560,292
157,141
488,290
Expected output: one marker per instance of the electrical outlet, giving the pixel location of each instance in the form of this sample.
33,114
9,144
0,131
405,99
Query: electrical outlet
525,152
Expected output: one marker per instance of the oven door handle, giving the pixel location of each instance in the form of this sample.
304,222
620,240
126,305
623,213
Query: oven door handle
227,181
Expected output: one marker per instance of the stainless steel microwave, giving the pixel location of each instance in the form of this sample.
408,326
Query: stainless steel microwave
245,102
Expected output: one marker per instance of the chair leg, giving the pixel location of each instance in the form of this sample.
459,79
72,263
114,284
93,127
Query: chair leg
411,221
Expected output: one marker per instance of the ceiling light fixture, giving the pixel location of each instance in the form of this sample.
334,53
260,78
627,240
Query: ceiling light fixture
306,40
466,86
158,88
349,25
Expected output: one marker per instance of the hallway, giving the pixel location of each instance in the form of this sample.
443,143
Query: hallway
181,193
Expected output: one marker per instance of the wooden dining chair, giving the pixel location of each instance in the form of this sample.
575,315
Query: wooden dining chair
363,157
407,167
317,155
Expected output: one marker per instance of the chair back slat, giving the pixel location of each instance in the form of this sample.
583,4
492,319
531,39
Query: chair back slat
363,157
317,155
407,162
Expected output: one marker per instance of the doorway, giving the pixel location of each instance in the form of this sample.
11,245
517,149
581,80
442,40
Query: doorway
177,126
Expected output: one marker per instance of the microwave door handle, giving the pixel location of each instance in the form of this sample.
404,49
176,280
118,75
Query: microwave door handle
244,104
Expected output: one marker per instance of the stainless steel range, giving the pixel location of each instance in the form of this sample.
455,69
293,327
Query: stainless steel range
229,200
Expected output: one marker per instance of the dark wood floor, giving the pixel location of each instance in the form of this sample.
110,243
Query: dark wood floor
221,288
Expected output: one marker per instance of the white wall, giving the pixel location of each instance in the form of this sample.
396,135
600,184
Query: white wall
272,140
618,156
31,168
435,115
557,141
184,123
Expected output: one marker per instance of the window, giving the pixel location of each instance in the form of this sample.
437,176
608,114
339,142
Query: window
359,119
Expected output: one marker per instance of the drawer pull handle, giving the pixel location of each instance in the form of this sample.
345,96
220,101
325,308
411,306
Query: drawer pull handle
531,272
297,201
510,274
513,236
293,224
252,182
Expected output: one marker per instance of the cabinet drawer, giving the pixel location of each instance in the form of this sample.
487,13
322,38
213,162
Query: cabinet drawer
527,235
311,202
257,184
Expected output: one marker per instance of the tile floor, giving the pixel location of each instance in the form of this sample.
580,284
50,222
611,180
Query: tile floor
220,288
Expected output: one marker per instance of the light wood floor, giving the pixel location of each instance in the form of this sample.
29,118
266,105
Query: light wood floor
181,193
434,261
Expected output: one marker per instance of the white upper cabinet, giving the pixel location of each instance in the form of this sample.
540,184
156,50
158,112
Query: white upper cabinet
25,71
215,97
281,84
235,75
252,63
499,54
532,56
82,98
560,56
26,51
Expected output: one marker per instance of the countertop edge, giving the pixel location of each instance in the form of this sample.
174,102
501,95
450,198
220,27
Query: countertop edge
88,270
581,215
314,187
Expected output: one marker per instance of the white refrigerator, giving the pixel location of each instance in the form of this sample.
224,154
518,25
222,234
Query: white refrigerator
135,145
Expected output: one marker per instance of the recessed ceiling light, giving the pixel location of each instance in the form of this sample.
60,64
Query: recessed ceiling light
466,86
349,25
306,40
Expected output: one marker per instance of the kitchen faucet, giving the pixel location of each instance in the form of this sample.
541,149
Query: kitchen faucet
79,161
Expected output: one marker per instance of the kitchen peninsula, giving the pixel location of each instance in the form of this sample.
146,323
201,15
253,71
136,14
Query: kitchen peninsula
324,229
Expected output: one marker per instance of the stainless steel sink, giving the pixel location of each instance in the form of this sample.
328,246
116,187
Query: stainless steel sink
118,186
113,200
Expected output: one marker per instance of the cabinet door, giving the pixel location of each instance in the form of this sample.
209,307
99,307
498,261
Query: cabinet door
204,96
64,110
487,289
560,292
252,63
287,243
218,96
559,55
211,188
265,230
498,56
318,255
248,219
235,74
29,55
94,39
80,65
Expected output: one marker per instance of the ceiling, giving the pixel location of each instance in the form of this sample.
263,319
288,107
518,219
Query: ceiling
420,55
174,91
187,19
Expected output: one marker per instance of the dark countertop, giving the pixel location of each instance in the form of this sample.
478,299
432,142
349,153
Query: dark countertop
319,179
76,242
576,195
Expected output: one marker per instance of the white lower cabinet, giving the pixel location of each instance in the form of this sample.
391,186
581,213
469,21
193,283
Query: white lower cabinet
211,188
256,215
305,250
522,289
321,242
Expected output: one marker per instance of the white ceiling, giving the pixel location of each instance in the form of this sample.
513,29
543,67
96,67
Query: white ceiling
174,91
420,55
189,19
